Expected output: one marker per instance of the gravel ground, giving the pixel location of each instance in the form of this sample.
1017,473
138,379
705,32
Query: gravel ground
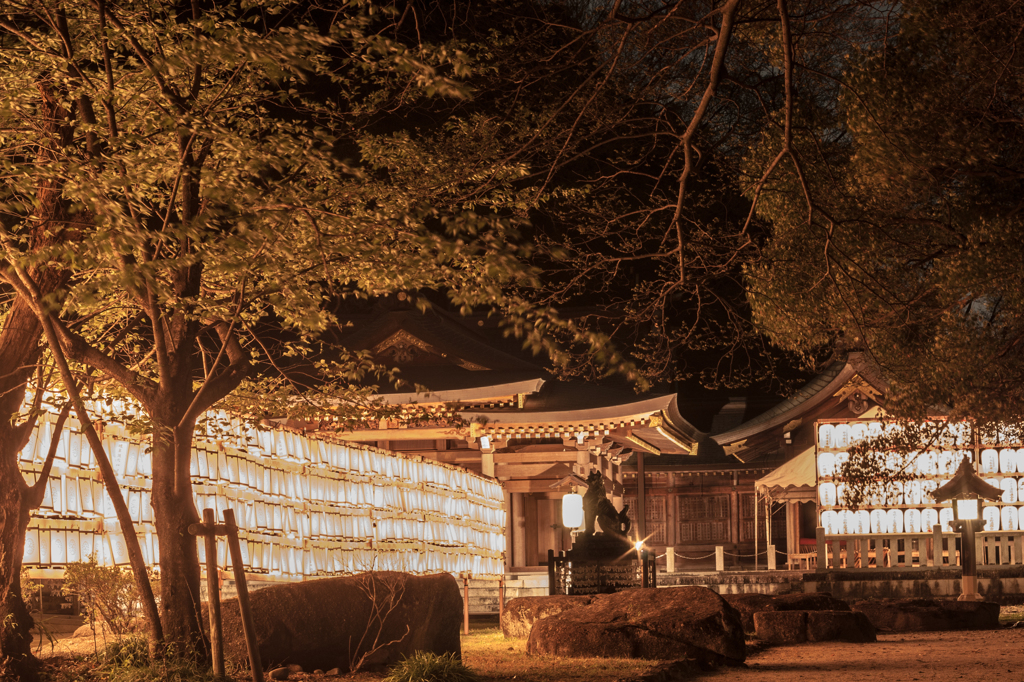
918,656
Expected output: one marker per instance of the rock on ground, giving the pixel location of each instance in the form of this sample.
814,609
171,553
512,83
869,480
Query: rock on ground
668,623
331,622
796,627
751,603
521,613
929,615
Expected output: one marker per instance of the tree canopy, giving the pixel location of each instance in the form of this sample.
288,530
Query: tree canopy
911,246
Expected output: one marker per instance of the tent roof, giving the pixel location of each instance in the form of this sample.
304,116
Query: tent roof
794,479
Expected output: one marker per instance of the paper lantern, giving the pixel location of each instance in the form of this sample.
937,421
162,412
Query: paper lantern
946,519
895,520
830,522
989,462
1008,461
572,510
992,519
1009,517
826,436
826,464
929,519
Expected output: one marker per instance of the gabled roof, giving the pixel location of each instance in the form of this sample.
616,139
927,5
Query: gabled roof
438,352
571,407
812,395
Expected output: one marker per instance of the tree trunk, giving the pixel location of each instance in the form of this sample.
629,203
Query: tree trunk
19,350
174,510
16,659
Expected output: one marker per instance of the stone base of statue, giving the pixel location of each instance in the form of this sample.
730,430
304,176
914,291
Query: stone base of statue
599,564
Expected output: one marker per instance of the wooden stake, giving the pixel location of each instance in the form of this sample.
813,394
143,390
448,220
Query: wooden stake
248,628
501,598
465,604
213,589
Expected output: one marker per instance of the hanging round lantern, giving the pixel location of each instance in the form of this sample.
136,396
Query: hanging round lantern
572,510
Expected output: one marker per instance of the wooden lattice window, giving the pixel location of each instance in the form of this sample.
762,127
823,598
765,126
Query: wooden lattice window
703,519
654,512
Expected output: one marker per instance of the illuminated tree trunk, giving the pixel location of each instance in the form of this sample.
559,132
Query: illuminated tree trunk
174,510
19,349
16,659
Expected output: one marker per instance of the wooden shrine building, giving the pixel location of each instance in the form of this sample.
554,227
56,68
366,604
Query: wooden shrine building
471,403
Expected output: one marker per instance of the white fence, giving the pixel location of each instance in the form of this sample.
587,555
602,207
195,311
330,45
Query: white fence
915,550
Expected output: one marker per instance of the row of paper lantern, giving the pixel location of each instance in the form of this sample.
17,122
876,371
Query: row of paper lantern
934,463
839,436
882,521
475,526
81,495
913,492
59,547
245,467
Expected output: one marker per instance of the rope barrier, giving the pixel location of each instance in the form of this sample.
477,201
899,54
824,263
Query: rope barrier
693,558
747,556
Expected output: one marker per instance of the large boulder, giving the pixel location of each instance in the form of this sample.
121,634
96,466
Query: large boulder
334,622
749,604
781,627
839,626
668,623
926,615
795,627
521,613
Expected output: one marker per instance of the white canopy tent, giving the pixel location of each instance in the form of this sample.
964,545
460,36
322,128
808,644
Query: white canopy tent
794,481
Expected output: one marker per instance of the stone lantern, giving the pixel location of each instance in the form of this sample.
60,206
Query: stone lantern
967,490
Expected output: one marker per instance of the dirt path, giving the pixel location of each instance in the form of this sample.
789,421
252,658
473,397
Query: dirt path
907,657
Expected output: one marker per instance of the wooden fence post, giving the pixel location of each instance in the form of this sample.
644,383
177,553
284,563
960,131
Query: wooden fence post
243,596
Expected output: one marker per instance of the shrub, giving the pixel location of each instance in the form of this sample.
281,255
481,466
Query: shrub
107,592
424,666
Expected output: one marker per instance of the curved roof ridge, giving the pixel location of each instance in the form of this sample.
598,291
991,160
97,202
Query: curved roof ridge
808,395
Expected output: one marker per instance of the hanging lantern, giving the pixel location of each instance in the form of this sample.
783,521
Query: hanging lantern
572,510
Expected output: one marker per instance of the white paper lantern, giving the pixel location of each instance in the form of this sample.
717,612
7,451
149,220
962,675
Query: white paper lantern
1009,518
929,519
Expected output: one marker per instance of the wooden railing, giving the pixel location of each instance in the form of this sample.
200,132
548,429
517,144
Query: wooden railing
915,550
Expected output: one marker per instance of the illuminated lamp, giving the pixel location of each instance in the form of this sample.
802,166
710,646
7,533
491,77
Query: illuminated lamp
967,490
572,510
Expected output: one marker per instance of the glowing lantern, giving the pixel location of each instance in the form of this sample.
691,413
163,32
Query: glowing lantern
572,510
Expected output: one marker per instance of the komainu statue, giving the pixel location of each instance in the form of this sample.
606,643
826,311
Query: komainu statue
597,507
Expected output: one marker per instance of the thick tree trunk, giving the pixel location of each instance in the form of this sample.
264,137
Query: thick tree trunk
174,510
19,350
16,659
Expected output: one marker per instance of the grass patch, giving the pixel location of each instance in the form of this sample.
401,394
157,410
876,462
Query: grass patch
492,657
424,666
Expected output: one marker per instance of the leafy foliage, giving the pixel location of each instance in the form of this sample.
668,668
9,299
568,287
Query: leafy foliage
107,593
910,247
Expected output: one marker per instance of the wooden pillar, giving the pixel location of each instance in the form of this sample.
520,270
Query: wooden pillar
547,537
509,532
734,521
671,512
617,486
641,496
792,527
487,464
518,529
530,529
